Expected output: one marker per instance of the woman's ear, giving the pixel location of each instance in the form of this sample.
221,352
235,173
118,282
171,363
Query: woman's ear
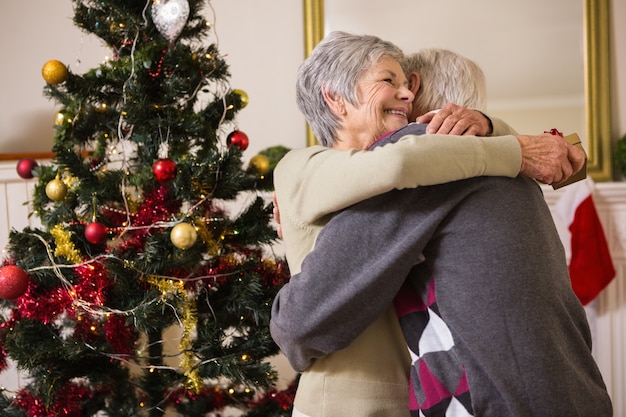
335,102
414,82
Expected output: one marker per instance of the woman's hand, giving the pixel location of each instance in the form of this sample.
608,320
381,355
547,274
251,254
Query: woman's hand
549,159
453,119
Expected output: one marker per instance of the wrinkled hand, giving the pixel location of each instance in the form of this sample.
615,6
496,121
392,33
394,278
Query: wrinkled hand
276,214
549,159
453,119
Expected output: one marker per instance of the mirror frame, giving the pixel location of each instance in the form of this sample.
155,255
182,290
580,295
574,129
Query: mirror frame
597,79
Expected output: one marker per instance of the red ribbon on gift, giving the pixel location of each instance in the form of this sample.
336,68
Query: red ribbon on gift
554,131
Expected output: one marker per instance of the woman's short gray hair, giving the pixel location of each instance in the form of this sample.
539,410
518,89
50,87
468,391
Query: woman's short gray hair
334,67
446,77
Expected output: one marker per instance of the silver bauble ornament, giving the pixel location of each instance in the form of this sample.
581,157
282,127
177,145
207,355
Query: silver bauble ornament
170,17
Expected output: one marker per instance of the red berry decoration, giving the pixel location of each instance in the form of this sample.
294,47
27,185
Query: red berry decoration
25,168
164,170
239,139
13,282
96,233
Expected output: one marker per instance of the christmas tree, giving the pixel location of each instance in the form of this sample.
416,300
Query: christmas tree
147,290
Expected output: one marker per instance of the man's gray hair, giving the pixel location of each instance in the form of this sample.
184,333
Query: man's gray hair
334,67
446,77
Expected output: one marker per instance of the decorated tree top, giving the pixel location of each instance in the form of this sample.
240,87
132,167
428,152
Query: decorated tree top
149,287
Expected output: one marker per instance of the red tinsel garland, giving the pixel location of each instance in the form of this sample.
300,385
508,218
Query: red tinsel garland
42,306
68,402
3,357
284,399
119,336
93,283
157,205
217,398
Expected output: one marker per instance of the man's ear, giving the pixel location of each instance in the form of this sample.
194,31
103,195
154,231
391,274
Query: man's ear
335,102
414,82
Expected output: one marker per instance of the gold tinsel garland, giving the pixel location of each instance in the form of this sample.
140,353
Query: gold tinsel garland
189,318
168,287
64,245
213,247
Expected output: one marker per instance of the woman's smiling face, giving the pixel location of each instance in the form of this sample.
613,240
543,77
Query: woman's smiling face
384,102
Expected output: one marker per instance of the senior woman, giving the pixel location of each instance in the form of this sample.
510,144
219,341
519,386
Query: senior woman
368,377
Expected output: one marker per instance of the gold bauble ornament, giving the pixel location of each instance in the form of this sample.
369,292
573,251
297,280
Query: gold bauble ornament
54,72
260,163
183,235
243,96
59,118
56,190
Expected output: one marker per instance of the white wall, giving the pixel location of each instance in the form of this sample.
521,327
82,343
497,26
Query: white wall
264,44
262,41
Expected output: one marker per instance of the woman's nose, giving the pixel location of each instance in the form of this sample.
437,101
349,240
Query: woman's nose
405,94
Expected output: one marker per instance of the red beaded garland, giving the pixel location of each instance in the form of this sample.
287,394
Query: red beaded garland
156,73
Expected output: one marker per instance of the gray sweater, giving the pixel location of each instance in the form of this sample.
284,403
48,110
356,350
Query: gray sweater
502,288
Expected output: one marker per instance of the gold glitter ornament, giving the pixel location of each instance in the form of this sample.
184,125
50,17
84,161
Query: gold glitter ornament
183,235
54,72
56,190
260,164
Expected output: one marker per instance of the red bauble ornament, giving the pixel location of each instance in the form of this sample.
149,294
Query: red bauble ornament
13,282
164,169
96,233
25,168
239,139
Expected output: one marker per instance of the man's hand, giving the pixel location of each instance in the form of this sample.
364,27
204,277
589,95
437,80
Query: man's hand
549,159
453,119
276,214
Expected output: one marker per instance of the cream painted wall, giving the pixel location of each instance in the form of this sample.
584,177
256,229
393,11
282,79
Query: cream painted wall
262,41
250,33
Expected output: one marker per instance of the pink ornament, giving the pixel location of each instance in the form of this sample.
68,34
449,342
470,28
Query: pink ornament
13,282
164,170
96,233
25,168
239,139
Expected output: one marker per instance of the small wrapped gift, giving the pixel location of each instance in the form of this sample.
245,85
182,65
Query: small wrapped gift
580,175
